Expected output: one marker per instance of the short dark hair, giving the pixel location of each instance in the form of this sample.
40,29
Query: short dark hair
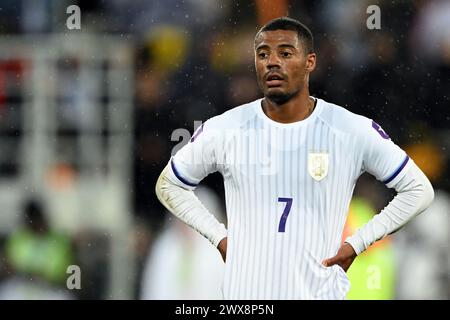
286,23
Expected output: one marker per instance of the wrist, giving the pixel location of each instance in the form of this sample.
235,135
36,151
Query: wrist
219,234
221,243
356,243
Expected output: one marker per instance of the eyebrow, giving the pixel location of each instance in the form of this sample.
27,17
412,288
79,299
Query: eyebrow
283,45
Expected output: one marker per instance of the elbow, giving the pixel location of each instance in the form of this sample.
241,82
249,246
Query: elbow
165,189
160,186
426,194
425,191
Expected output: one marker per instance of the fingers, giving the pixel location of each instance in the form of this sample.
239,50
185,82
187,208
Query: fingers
344,258
331,261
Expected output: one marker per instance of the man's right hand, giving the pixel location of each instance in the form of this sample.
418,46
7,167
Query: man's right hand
223,249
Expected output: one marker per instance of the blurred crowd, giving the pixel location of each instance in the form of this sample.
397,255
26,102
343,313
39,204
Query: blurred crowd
194,60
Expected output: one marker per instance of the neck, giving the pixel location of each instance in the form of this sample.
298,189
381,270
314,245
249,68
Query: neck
296,109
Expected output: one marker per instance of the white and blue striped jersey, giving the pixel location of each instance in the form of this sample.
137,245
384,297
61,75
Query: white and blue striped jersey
287,189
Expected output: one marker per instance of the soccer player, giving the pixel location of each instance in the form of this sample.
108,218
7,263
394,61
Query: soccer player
290,163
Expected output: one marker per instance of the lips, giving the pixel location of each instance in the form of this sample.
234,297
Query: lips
274,80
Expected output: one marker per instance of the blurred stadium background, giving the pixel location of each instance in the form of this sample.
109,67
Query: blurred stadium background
88,119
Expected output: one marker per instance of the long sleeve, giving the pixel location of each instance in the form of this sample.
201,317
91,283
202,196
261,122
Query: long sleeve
183,203
414,195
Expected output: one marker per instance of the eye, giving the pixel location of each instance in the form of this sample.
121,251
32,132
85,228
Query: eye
262,55
286,54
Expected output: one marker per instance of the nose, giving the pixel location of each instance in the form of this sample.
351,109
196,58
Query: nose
273,61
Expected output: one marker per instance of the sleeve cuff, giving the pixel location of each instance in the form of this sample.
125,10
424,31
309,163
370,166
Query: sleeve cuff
357,243
219,234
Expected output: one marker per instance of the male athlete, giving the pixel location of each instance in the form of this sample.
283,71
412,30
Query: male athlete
290,163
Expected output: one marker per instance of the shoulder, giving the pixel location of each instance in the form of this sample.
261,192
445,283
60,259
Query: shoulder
342,120
233,118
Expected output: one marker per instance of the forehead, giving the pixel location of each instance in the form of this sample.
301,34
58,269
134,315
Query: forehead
276,38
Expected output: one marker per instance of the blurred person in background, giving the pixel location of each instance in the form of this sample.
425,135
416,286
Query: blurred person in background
429,49
182,264
175,87
372,275
152,114
423,250
231,55
38,258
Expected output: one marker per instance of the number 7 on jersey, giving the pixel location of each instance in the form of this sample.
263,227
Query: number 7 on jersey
284,216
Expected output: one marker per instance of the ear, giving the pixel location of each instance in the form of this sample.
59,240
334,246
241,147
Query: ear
310,62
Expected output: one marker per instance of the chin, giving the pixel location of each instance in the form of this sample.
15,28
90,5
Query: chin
278,96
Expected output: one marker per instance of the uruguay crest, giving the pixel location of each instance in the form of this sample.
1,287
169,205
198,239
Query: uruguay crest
318,165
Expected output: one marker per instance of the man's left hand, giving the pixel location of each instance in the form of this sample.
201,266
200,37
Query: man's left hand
344,257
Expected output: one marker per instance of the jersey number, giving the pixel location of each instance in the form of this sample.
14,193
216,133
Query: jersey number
284,216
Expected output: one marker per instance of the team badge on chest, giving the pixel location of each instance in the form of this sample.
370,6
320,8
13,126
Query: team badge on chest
318,165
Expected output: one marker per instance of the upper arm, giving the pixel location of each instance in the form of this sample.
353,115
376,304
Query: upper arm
381,156
196,159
